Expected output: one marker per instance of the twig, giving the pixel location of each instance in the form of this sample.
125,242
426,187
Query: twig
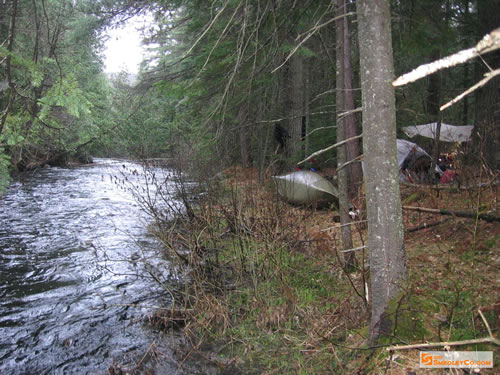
355,248
357,158
207,29
490,339
310,34
321,128
341,115
445,343
488,77
343,225
486,323
150,349
329,148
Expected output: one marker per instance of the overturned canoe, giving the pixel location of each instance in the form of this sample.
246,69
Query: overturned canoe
305,187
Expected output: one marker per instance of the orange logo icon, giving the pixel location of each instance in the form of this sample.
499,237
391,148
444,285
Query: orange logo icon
426,359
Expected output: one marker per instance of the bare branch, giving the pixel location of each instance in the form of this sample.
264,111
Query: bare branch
341,115
490,339
448,343
310,34
329,148
207,29
488,77
489,43
321,128
357,158
468,214
355,248
343,225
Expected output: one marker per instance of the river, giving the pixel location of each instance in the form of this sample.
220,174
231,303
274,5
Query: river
73,290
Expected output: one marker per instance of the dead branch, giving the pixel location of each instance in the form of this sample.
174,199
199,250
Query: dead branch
355,248
310,33
451,188
314,154
321,128
490,339
341,115
357,158
486,79
489,43
207,28
446,343
343,225
467,214
425,225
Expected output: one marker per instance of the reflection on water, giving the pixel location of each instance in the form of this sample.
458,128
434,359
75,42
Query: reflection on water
66,280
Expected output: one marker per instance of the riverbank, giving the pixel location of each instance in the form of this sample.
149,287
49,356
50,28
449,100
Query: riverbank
267,292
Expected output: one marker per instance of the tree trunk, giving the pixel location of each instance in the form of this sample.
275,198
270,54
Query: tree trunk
297,102
243,135
307,98
385,225
433,104
352,148
349,257
8,64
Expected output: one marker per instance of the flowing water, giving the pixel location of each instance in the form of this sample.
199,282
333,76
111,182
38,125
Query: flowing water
72,245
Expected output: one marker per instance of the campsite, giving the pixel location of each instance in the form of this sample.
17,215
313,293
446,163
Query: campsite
249,187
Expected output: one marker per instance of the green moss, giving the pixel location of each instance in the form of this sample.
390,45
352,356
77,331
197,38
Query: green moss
412,198
407,317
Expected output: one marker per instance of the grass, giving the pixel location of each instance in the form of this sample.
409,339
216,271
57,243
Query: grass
268,294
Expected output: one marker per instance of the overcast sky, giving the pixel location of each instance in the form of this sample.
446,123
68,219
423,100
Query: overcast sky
123,49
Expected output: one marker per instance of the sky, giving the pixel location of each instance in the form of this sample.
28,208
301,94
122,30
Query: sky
123,48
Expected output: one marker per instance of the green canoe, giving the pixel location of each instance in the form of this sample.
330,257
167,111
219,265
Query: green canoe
305,187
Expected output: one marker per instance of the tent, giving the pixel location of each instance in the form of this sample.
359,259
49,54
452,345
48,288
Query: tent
448,133
413,162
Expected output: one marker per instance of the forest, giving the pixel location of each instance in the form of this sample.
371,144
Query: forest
233,92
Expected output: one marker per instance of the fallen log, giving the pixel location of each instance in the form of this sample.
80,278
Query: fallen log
467,214
425,225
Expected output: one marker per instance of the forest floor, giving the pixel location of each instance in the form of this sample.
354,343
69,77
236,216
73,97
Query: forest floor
268,293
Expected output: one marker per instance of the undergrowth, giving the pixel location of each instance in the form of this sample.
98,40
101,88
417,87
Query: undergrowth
264,290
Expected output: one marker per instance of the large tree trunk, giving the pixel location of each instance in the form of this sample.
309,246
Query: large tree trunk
434,87
350,129
349,257
385,225
487,141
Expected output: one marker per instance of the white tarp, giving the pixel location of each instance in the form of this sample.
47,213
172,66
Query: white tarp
449,133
